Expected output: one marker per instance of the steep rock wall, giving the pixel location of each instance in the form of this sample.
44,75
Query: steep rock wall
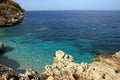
10,13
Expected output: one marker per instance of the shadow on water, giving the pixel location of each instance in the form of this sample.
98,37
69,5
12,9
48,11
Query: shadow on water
7,49
95,50
5,60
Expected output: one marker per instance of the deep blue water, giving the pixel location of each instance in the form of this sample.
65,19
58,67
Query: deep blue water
82,34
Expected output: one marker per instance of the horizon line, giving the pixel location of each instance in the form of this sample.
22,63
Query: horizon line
72,10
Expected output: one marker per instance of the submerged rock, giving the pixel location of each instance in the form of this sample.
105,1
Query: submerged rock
2,48
10,13
103,67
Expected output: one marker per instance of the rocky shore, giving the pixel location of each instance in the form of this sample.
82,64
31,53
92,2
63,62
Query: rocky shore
103,67
10,13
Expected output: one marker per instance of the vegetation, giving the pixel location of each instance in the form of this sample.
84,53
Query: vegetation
9,4
5,6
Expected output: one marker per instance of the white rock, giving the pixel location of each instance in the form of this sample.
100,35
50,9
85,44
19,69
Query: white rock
50,78
59,55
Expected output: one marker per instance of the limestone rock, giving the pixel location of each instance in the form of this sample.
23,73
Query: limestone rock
30,75
103,67
7,73
10,13
50,78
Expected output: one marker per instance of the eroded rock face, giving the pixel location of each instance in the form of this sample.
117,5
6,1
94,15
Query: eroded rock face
103,67
10,13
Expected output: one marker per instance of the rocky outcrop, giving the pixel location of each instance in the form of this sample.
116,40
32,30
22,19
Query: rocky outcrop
7,73
32,75
10,13
103,67
2,49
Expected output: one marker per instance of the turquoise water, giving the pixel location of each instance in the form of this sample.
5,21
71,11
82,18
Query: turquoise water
82,34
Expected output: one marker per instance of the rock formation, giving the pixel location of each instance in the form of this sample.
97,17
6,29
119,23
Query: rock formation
103,67
7,73
2,49
10,13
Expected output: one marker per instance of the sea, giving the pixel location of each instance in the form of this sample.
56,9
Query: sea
82,34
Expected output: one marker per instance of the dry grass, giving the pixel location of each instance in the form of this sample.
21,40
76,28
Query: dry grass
5,6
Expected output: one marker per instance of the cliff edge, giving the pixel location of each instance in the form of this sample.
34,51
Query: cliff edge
103,67
10,13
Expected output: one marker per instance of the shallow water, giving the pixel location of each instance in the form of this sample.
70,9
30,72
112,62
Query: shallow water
82,34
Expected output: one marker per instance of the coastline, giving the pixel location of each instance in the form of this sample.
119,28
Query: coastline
63,66
103,67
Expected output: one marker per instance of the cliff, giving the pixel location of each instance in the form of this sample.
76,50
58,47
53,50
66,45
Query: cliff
103,67
10,13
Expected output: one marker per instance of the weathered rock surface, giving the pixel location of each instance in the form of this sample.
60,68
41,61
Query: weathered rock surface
103,67
7,73
2,49
10,13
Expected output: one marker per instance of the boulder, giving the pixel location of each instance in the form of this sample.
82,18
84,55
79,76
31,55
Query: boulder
29,75
7,73
2,48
